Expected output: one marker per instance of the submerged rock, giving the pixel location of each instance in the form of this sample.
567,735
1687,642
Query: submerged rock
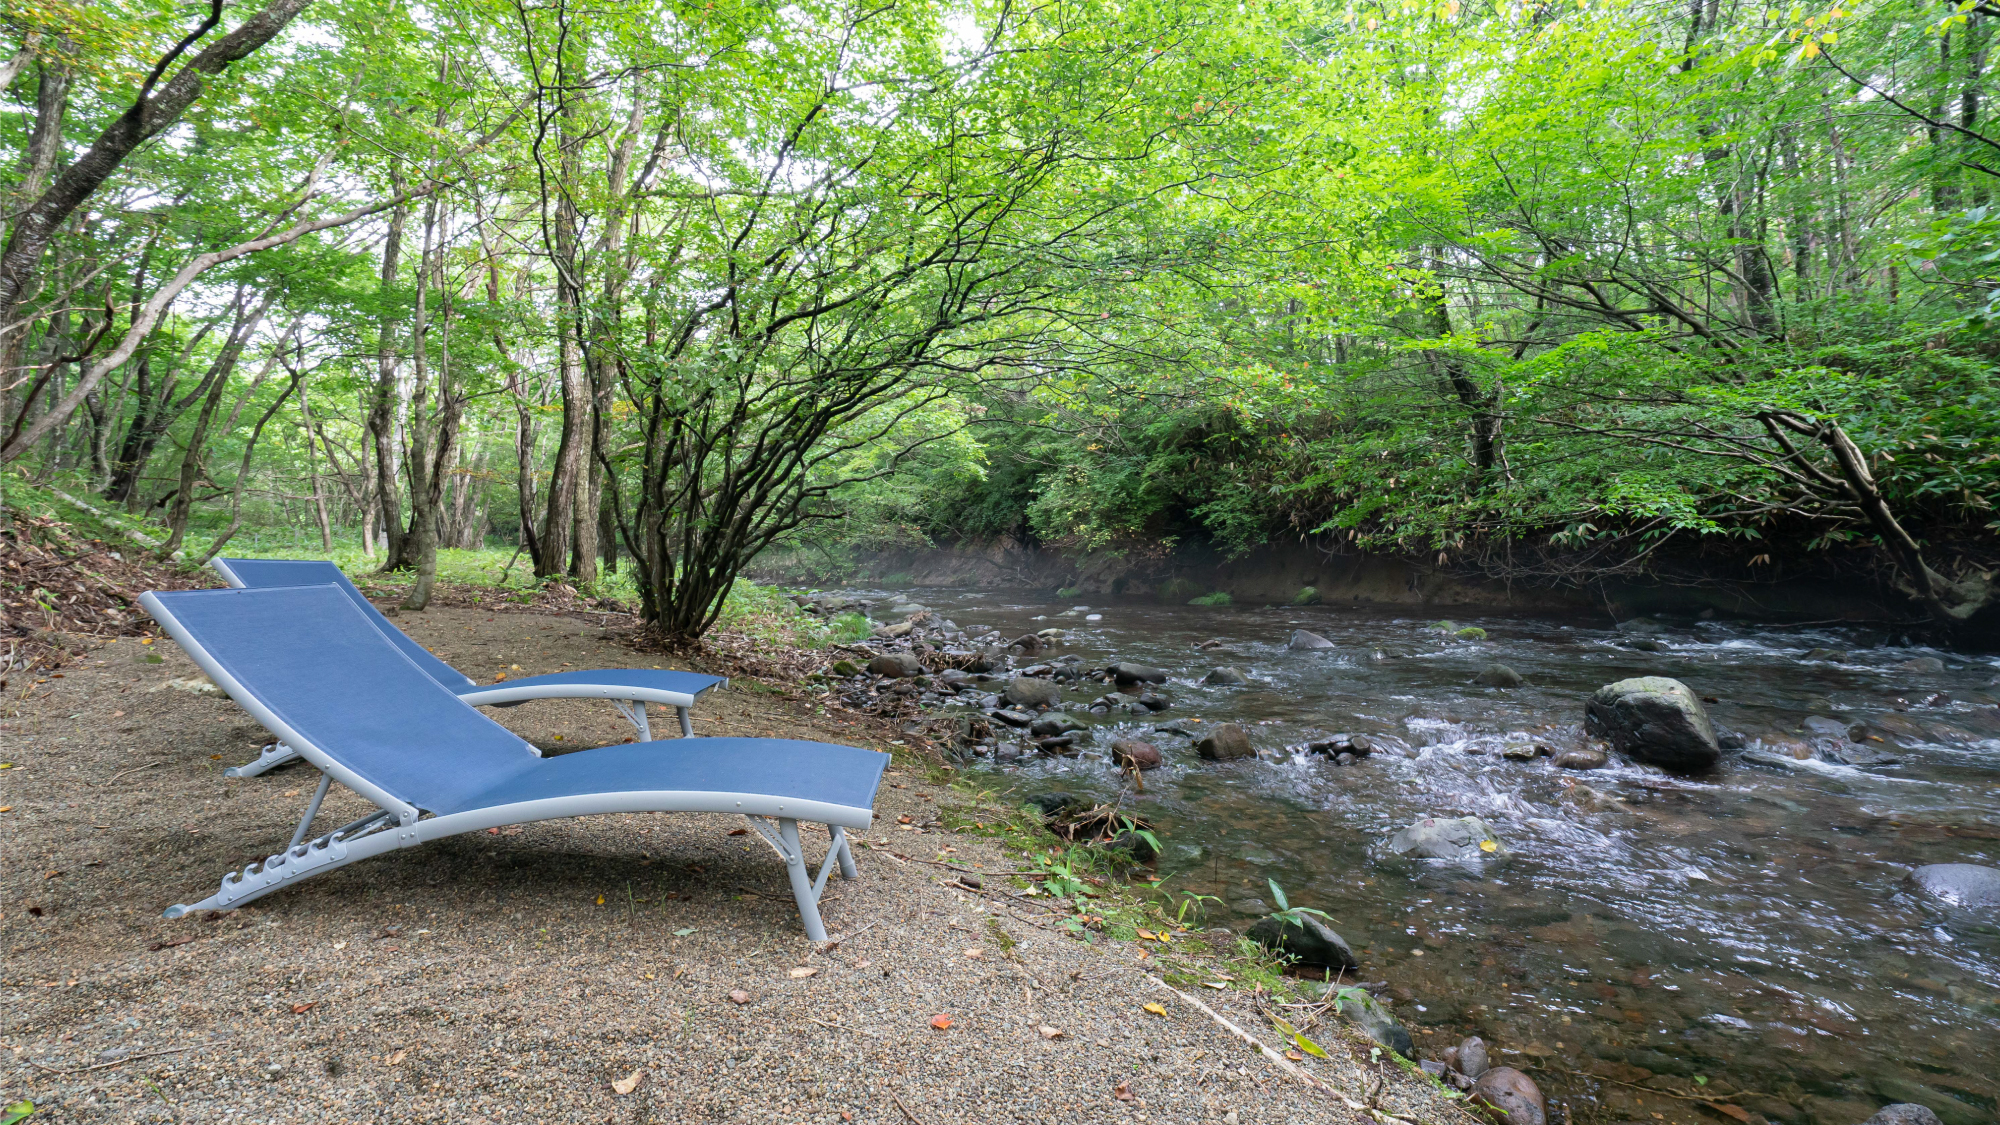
1904,1113
1656,720
1921,664
1308,941
1464,838
1960,884
1582,759
1306,596
1228,675
1305,641
1640,625
1511,1094
1499,675
1224,742
1031,691
1831,655
1374,1021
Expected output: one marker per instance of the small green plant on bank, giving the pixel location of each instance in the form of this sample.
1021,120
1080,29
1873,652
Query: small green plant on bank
847,628
1218,598
1286,913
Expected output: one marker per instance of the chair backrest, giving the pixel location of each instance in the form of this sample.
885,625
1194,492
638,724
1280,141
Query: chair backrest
321,676
264,574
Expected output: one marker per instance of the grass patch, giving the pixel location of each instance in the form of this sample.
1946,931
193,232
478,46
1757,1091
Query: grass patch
1218,598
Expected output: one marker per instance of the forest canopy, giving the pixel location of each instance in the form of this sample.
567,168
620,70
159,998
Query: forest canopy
1551,290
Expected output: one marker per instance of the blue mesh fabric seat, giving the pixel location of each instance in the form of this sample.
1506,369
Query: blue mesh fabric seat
628,689
353,703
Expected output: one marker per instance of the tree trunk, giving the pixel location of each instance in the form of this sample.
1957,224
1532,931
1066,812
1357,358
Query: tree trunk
382,413
312,473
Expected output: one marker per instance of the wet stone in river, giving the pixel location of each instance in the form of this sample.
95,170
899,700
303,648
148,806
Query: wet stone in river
1306,940
1130,753
1460,838
1499,676
1960,884
1306,641
1511,1094
1224,742
1031,691
1227,675
1656,720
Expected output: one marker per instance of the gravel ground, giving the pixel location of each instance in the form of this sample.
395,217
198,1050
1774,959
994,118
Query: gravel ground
577,970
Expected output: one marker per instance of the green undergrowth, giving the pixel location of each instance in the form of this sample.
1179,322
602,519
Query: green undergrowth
1096,895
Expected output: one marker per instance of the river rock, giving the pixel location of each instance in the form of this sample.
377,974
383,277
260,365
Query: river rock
955,678
1127,673
1308,941
1227,674
845,668
1498,675
1471,1058
1054,723
1830,655
1033,691
908,609
1641,625
1130,753
896,665
1960,884
1462,838
1223,742
1511,1094
1823,725
1582,759
1922,664
1656,720
1153,701
1013,718
1904,1113
1303,641
1367,1014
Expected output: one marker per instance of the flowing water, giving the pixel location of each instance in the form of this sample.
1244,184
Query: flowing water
1752,927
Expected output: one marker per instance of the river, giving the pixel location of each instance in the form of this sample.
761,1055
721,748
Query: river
1752,926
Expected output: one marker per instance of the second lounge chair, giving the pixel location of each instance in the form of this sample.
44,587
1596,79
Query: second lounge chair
628,689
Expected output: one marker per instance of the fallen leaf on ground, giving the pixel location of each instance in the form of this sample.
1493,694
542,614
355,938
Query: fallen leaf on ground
737,832
1122,1091
600,900
1736,1111
803,971
399,1056
159,945
1214,984
1295,1056
902,820
291,792
975,954
739,997
302,1009
684,933
1148,935
1156,1009
1052,1032
628,1083
940,1022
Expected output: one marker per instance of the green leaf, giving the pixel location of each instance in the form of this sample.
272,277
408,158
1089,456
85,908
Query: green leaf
1278,893
677,933
1308,1046
19,1111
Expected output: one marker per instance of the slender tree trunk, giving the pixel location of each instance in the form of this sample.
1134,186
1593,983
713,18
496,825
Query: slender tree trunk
183,504
382,413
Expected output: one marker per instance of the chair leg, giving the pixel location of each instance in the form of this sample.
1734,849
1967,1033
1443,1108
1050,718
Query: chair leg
687,724
299,861
271,757
846,853
802,882
634,711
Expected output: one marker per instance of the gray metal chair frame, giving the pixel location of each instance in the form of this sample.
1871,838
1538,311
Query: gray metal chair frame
398,823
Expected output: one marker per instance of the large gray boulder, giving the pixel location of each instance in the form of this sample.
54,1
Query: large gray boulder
1498,675
1308,941
1960,884
1224,742
1033,691
1304,641
1656,720
1227,674
1462,838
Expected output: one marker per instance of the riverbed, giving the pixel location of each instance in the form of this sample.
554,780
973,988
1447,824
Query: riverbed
1751,927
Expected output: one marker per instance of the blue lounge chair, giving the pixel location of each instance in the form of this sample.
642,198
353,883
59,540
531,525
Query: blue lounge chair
628,689
353,704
